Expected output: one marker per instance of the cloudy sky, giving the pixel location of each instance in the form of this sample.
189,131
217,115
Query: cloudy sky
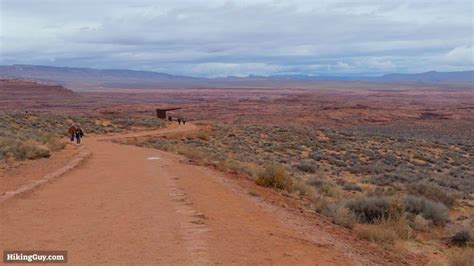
219,38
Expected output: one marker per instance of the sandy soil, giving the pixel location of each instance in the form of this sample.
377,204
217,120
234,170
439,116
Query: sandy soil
17,174
132,205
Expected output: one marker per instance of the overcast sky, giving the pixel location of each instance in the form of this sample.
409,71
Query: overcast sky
219,38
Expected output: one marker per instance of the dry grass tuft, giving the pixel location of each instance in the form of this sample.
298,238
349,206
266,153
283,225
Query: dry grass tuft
231,165
385,232
463,258
376,233
203,135
420,223
300,188
276,176
22,150
344,217
191,153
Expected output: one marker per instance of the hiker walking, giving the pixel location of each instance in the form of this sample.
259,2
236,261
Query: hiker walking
179,120
184,120
170,118
79,134
72,132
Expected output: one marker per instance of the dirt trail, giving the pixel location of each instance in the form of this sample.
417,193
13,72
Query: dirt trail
132,205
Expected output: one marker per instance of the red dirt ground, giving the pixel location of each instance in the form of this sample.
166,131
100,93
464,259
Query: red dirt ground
122,207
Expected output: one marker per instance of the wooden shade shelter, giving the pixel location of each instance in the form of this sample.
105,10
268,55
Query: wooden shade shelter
161,113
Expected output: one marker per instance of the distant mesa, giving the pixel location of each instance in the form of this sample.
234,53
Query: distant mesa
94,79
432,76
22,86
17,94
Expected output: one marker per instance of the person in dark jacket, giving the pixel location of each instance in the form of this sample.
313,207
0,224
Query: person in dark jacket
72,132
184,120
179,120
79,135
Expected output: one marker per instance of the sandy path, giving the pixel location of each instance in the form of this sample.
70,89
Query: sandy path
124,207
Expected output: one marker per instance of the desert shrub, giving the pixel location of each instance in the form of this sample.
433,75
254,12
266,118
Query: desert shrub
337,162
381,192
461,238
351,187
389,179
431,192
316,181
378,233
33,150
374,209
274,175
370,209
8,146
307,167
329,209
319,203
22,150
238,166
203,135
396,210
191,153
401,226
230,165
344,217
420,223
463,258
128,122
316,155
329,190
301,188
250,169
53,143
437,212
386,231
253,193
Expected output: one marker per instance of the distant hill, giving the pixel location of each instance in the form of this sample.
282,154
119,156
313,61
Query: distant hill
51,73
86,78
94,79
431,76
25,95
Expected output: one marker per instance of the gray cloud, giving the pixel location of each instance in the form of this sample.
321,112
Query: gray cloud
217,38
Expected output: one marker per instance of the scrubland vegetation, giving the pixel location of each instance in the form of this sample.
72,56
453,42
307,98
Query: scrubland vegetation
385,188
27,136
